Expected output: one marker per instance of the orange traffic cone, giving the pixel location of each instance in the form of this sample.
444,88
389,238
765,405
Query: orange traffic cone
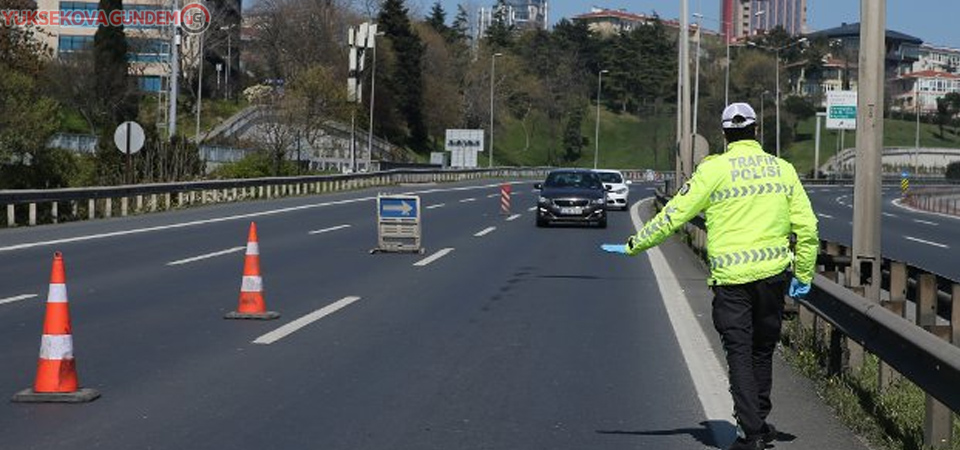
56,370
252,305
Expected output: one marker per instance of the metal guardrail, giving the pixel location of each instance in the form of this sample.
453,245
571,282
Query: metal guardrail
87,202
920,351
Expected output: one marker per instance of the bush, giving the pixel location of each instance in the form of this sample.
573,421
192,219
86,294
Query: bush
953,171
255,165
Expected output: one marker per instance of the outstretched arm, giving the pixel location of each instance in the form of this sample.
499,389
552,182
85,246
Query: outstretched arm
692,198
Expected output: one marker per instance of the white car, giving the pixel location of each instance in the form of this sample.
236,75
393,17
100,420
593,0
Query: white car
618,189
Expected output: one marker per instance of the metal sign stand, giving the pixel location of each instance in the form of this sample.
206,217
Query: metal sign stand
398,224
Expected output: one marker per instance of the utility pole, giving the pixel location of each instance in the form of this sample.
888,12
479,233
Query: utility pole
493,72
867,195
174,75
596,143
685,138
196,136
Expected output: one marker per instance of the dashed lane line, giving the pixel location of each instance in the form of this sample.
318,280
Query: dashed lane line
886,214
327,230
825,216
926,242
532,208
439,254
468,200
485,232
228,251
17,298
297,324
245,216
926,222
438,205
513,217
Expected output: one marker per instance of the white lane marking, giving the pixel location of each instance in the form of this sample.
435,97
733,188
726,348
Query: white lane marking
468,200
825,216
484,232
221,219
17,298
926,222
493,195
513,217
889,215
935,244
206,256
439,254
292,327
438,205
327,230
532,208
709,377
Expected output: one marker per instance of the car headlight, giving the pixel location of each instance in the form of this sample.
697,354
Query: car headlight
599,201
621,191
543,200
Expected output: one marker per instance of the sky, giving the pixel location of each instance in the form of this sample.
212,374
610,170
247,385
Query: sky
933,21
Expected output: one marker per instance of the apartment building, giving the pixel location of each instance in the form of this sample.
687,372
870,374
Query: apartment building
745,18
521,14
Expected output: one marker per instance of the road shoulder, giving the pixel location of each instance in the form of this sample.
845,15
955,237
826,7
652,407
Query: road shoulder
798,410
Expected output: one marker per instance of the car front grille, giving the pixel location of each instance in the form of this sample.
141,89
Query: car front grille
566,202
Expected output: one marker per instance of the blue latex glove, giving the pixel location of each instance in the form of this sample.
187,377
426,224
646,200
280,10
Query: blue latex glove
799,289
614,248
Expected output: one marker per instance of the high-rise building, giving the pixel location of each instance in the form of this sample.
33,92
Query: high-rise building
744,18
519,14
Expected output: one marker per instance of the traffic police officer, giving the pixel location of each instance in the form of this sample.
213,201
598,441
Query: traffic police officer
753,201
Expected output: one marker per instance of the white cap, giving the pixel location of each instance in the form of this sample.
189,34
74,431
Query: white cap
739,115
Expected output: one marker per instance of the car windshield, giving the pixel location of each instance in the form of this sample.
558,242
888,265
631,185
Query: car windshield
582,180
610,177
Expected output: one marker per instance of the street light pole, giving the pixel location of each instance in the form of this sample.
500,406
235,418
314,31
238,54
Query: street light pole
867,194
686,148
777,103
196,136
373,96
596,141
916,151
696,76
493,71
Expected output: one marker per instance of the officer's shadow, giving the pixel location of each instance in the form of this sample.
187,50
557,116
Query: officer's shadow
709,433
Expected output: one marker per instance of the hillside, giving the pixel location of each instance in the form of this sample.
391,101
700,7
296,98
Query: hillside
625,141
897,133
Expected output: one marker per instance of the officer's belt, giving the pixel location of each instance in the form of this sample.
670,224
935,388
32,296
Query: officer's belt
748,256
753,189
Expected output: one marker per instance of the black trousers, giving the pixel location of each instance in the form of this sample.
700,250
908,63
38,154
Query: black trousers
748,318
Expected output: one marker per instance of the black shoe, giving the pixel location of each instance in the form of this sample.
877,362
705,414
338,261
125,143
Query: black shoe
752,443
768,433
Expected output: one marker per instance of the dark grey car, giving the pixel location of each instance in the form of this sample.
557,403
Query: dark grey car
572,196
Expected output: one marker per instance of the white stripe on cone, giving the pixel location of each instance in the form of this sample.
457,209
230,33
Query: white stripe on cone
251,284
57,293
56,347
253,248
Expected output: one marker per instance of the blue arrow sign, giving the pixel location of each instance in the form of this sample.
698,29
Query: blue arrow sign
398,208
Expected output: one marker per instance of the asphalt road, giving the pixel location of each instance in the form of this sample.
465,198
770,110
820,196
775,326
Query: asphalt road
929,241
517,338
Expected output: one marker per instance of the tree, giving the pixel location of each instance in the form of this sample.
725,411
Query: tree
113,84
438,19
404,79
28,121
500,32
460,30
799,108
573,140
